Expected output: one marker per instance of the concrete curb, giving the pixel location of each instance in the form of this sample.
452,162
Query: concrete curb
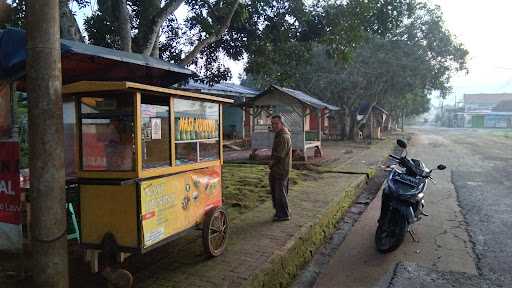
283,266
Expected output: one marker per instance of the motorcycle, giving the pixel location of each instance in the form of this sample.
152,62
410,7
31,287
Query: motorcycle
402,200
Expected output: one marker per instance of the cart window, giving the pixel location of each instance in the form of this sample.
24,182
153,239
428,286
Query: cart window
107,133
209,150
186,153
155,131
197,131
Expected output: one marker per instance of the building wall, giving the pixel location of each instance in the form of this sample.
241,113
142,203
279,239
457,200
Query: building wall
290,109
486,121
491,121
285,106
233,121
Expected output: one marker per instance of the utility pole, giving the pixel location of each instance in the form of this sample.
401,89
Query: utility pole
46,140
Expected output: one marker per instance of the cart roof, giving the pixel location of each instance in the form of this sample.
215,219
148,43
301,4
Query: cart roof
94,86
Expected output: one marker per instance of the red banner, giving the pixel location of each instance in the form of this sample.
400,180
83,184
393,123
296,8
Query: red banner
10,203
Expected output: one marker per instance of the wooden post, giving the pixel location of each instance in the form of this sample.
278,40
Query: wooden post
46,141
14,108
319,120
221,137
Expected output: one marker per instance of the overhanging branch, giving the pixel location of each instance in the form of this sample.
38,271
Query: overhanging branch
158,20
212,38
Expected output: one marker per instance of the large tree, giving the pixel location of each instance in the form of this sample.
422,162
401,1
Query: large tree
396,61
150,27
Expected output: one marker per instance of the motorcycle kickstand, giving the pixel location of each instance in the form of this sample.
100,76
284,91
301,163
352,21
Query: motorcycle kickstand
411,232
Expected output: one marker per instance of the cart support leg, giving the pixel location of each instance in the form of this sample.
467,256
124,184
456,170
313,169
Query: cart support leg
318,151
123,256
91,256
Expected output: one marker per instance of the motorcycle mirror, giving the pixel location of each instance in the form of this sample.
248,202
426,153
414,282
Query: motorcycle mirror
401,143
441,167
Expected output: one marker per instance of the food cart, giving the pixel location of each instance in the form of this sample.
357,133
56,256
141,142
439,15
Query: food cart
149,167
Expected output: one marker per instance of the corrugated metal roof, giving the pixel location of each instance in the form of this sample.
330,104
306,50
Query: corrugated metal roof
223,88
68,46
303,97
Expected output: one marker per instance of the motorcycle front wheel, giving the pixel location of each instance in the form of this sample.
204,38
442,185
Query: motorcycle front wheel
391,231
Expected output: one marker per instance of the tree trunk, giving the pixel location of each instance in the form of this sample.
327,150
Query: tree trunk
152,18
356,128
403,120
348,122
124,26
69,28
46,140
155,53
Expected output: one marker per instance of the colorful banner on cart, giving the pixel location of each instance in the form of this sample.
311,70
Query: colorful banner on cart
172,204
11,237
10,203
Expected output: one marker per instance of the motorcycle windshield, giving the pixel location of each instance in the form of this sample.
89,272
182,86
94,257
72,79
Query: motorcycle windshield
406,186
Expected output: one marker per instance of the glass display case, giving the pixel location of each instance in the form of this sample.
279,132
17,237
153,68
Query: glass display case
138,132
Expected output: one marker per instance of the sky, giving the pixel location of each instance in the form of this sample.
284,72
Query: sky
484,29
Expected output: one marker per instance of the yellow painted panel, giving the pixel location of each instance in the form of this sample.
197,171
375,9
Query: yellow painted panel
109,209
92,86
221,123
172,204
154,172
107,174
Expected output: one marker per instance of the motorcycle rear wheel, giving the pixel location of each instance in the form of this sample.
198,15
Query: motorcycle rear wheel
391,232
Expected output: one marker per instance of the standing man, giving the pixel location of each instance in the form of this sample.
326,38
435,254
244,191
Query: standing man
281,162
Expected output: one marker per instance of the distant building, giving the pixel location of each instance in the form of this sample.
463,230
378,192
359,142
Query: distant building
486,111
305,116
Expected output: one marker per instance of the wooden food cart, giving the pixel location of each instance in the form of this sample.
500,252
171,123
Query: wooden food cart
149,167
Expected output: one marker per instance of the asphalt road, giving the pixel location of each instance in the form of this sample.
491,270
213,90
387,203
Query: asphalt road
482,176
469,231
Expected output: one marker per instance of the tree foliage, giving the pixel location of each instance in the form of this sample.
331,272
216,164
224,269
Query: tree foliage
201,39
391,53
288,37
394,53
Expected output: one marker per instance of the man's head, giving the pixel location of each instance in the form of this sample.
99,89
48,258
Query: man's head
277,123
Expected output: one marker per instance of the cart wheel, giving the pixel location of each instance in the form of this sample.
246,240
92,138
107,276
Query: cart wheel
215,232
